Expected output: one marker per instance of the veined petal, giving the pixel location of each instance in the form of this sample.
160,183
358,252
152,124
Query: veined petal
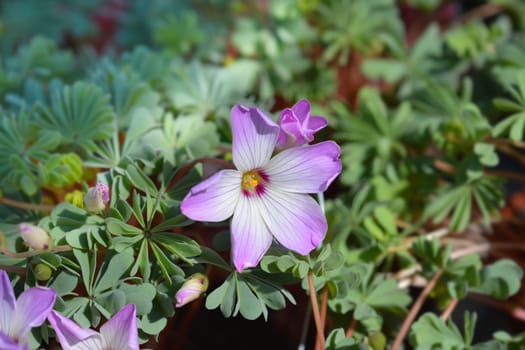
120,332
294,219
250,237
32,308
6,343
215,198
73,337
308,169
7,303
254,137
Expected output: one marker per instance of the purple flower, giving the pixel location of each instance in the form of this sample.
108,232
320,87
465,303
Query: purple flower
96,198
17,317
34,236
120,332
266,196
191,289
298,126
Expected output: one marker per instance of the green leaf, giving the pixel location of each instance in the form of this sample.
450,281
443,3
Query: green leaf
140,180
114,267
224,296
430,332
80,113
501,279
247,303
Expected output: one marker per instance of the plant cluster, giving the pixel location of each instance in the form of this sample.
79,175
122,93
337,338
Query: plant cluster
131,131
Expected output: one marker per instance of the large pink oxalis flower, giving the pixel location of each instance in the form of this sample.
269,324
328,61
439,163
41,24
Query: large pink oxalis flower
266,196
17,317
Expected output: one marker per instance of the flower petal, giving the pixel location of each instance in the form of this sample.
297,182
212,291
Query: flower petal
250,237
7,303
254,137
316,123
215,198
294,219
6,343
301,109
120,332
308,169
73,337
32,308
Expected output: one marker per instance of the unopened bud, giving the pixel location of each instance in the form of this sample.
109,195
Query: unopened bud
191,289
35,236
96,198
43,272
377,341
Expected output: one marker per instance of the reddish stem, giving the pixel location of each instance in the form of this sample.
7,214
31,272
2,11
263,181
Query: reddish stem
315,310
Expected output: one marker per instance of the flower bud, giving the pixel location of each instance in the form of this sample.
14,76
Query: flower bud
192,289
96,198
43,272
298,126
377,341
35,237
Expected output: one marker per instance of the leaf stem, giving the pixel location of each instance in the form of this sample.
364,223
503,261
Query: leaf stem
450,308
324,302
31,253
414,310
15,269
351,328
315,310
24,205
506,174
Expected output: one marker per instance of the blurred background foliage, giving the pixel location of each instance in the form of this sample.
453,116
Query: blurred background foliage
425,97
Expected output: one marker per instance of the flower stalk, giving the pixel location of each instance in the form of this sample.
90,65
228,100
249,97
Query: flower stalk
315,310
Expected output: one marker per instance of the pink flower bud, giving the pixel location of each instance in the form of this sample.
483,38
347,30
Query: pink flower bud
192,289
298,126
96,198
34,236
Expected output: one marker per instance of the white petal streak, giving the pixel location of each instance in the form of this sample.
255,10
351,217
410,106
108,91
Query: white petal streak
94,342
250,237
254,137
308,169
215,198
294,219
7,303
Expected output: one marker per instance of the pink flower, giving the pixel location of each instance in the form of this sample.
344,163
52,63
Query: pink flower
298,126
120,332
96,198
17,317
191,289
266,196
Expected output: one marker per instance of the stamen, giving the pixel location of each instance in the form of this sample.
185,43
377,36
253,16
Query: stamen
253,182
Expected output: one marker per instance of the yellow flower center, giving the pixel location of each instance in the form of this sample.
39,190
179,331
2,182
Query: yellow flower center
250,180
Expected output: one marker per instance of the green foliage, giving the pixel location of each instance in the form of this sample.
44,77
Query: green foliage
72,109
251,294
423,109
